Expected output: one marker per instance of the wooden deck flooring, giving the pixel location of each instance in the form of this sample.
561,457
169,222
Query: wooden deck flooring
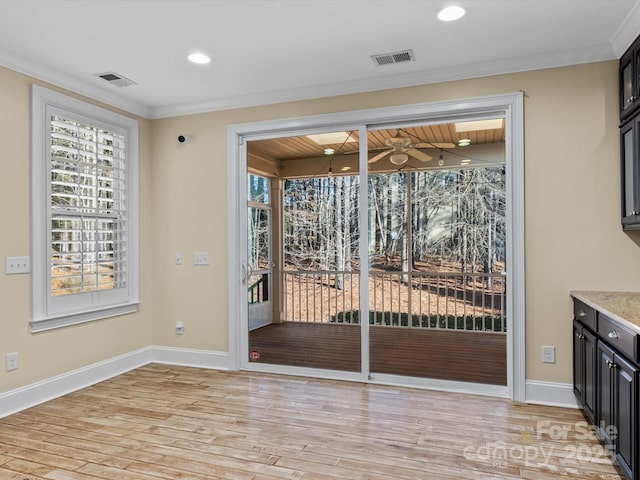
163,422
439,354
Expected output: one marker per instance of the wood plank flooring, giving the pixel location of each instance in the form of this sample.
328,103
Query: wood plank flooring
442,354
166,422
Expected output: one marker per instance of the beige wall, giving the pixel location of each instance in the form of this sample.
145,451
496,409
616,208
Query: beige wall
46,354
573,234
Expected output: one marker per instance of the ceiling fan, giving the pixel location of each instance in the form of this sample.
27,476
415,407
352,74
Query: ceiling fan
401,148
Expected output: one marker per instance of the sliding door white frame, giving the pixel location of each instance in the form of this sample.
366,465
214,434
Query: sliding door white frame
509,106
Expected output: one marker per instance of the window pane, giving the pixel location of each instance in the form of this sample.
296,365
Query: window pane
87,208
258,238
321,229
258,189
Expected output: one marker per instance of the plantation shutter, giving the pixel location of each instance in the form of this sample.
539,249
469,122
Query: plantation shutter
88,209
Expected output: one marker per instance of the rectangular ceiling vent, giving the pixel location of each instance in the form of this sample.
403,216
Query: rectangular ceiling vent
116,79
395,57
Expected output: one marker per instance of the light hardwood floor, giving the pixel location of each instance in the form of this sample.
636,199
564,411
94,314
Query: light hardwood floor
166,422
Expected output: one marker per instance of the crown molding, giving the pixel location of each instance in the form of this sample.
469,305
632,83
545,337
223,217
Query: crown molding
437,75
503,66
66,82
627,32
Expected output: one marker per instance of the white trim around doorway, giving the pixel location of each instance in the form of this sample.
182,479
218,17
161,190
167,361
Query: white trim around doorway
510,106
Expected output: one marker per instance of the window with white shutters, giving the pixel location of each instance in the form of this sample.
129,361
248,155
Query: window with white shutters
84,255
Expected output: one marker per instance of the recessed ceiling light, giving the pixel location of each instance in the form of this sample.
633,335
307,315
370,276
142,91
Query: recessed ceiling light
199,58
329,151
449,14
464,142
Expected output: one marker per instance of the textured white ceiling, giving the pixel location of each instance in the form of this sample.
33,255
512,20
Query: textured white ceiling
266,51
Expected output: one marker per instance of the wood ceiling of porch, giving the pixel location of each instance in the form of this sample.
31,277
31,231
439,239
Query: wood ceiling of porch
302,147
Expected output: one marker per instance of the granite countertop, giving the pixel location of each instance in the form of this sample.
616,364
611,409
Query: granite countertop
623,307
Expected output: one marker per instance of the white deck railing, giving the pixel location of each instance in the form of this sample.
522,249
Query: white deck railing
445,300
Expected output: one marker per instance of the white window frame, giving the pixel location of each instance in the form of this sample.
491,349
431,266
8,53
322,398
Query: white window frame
49,312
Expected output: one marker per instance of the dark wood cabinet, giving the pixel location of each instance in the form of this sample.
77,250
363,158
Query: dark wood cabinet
625,396
630,173
630,80
617,406
584,369
605,418
629,91
606,362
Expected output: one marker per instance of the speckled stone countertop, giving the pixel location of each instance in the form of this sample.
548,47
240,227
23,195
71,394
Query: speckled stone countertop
624,307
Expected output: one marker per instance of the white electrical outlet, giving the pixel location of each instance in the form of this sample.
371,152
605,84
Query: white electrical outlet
548,354
201,258
12,361
179,328
13,265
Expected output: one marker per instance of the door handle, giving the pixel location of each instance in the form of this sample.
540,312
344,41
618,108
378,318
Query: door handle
244,272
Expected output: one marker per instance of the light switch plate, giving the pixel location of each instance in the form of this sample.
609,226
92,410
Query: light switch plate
14,265
201,258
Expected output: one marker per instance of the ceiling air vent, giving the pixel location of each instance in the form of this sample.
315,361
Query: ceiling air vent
115,79
395,57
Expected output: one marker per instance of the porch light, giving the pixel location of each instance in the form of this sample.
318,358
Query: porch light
399,158
331,138
476,125
329,151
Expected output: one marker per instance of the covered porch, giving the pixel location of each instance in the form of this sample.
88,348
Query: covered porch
430,315
395,351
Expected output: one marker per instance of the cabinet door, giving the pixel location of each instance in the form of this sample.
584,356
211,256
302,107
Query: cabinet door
590,354
627,77
625,407
629,172
578,363
605,405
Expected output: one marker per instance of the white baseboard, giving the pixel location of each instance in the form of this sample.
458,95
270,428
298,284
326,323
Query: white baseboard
537,392
191,357
24,397
550,393
28,396
441,385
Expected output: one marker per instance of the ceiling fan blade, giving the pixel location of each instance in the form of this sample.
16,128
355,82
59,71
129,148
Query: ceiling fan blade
423,157
434,145
379,156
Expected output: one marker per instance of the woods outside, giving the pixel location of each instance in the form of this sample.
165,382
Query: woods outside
436,242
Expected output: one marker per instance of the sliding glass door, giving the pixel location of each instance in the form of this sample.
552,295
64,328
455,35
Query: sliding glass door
314,320
437,257
382,252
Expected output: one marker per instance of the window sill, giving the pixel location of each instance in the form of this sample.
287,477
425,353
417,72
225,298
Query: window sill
50,323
